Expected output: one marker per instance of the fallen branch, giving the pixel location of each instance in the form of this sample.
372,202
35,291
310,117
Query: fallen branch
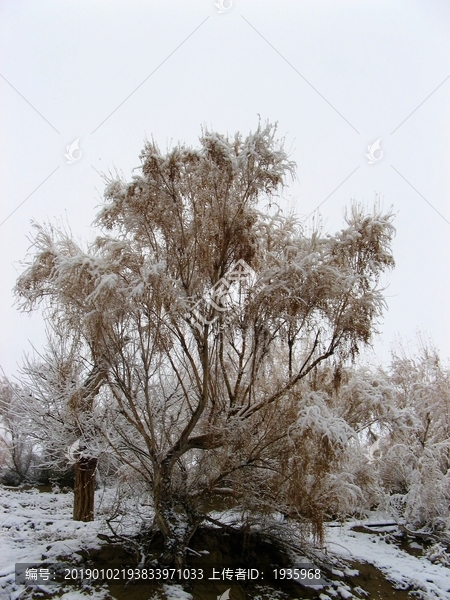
424,535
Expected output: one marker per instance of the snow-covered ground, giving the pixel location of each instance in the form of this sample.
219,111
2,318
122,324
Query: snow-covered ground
398,565
38,526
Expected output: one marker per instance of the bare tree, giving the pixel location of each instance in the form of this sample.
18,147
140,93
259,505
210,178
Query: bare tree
208,375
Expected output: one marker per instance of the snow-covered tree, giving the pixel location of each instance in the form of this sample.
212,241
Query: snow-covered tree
60,394
204,318
19,447
415,471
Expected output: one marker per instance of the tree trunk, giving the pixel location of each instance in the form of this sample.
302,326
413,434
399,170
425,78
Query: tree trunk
83,502
81,403
176,524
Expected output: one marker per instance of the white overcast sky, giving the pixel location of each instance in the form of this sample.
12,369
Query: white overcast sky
336,75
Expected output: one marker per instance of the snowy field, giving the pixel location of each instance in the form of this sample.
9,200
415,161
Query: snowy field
37,526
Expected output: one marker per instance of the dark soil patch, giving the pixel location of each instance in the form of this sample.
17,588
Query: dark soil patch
222,549
375,583
212,550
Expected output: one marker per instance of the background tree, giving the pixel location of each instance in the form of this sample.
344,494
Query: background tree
415,472
19,449
400,416
65,277
59,388
213,402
